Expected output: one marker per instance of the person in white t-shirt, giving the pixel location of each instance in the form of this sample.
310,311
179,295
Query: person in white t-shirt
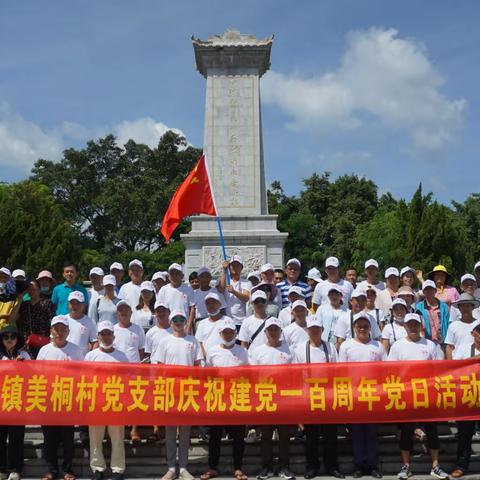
329,313
96,291
395,330
178,349
204,279
459,332
372,281
469,349
106,352
416,347
344,328
296,331
142,313
468,284
130,291
159,331
178,295
386,297
226,354
105,308
159,279
372,310
59,349
273,352
251,333
83,331
332,269
117,270
254,277
314,277
361,348
316,350
476,271
285,316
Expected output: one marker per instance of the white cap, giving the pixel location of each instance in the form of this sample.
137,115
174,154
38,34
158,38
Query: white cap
477,265
105,325
6,271
314,274
116,266
45,274
160,275
266,267
109,280
136,262
295,261
76,295
399,301
147,285
299,303
332,262
392,272
255,274
177,313
96,271
360,315
19,273
121,303
273,321
371,263
63,319
296,289
406,269
159,303
175,266
467,276
359,292
213,296
227,324
203,270
259,294
428,283
415,317
236,258
334,288
314,321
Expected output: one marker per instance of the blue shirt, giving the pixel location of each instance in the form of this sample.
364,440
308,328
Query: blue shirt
60,296
285,287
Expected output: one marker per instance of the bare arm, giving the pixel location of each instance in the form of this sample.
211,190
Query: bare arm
222,285
449,352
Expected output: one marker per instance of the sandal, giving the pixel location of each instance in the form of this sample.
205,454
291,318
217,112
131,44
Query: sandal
210,473
239,475
457,473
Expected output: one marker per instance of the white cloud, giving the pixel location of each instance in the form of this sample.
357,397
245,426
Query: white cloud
380,75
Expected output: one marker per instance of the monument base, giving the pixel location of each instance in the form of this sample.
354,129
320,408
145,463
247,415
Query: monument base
255,238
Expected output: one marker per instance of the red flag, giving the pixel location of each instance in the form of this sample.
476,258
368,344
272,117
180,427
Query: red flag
193,196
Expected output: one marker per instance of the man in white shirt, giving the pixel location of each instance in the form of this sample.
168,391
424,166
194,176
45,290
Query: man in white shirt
468,284
159,279
416,347
273,352
296,331
361,348
285,316
395,330
329,313
159,331
316,350
251,333
130,291
83,331
116,269
293,269
178,295
386,296
314,277
371,270
106,353
96,277
332,269
178,349
204,279
59,349
371,309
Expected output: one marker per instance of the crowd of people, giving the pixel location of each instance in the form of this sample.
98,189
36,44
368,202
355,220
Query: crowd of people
267,317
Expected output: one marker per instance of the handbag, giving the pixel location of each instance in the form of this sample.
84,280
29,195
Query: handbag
35,340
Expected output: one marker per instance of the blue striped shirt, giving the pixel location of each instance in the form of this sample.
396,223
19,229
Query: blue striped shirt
285,287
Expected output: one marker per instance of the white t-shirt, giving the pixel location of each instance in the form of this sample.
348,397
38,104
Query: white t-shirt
329,317
236,309
21,353
98,355
178,351
344,326
177,298
131,293
379,286
456,315
285,316
249,326
464,351
154,336
354,351
104,309
424,349
218,356
393,332
143,318
460,332
129,340
476,293
320,294
317,354
267,355
82,332
384,301
199,300
295,334
377,314
208,332
69,352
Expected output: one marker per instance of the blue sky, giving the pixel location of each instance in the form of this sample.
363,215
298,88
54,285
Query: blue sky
389,90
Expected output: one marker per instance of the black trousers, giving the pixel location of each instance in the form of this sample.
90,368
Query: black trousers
266,445
406,435
464,446
237,432
11,456
54,436
365,444
330,446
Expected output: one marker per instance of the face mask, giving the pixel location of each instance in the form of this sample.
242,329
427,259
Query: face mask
229,343
45,290
215,313
105,346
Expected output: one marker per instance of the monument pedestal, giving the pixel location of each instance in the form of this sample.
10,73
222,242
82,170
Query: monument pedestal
255,238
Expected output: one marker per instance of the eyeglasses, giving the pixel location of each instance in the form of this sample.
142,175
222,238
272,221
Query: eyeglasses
9,336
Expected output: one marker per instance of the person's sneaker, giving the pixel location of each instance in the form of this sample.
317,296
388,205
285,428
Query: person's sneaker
405,472
14,476
97,475
437,472
170,475
252,436
185,475
376,473
118,476
265,474
286,474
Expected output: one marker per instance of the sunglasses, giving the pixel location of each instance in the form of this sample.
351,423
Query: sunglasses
260,300
178,320
9,336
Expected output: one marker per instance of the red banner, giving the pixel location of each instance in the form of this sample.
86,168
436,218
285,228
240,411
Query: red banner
83,393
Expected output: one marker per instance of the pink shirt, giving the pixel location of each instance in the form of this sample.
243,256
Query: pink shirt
448,295
434,317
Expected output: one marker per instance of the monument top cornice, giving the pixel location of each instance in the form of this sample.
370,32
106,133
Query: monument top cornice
220,52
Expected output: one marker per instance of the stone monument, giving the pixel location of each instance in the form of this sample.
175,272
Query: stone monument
233,63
